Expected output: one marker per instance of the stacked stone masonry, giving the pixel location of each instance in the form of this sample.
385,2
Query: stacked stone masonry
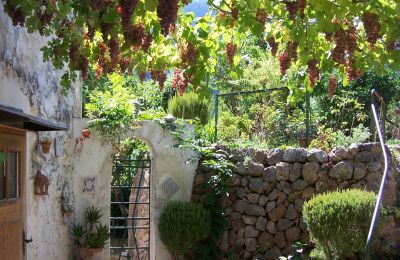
268,189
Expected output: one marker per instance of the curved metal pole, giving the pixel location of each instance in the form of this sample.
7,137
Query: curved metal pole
374,94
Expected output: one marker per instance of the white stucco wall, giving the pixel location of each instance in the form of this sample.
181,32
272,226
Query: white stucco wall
92,162
171,176
28,83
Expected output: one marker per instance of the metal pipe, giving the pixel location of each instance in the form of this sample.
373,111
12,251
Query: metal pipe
375,94
308,117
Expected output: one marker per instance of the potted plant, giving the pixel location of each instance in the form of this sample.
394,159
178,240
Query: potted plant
91,236
46,144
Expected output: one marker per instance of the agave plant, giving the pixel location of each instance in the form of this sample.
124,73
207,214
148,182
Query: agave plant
92,234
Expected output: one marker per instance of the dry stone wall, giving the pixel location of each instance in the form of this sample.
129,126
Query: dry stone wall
268,189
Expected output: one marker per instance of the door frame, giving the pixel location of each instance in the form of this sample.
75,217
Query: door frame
20,133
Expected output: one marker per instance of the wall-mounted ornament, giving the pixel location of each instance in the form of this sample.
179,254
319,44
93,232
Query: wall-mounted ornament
41,184
67,202
79,141
46,145
89,184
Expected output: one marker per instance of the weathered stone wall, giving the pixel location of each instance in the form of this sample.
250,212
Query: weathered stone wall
268,190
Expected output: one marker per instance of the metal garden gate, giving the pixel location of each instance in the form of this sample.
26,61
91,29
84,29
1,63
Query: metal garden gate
130,208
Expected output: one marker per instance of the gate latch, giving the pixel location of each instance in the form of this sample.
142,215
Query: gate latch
25,241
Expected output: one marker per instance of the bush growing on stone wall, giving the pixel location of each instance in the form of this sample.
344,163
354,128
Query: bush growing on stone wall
182,225
339,221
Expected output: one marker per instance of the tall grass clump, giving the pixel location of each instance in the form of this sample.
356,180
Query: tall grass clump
189,106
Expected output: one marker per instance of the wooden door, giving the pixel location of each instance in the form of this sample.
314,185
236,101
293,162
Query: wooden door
12,174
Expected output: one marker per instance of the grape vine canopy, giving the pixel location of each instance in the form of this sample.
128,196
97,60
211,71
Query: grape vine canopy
343,37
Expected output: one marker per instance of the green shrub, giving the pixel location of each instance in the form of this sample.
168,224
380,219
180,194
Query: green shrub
339,221
182,225
189,106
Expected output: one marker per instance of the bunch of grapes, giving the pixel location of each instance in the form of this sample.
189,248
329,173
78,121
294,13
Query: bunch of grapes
105,30
261,16
135,34
126,9
292,8
235,13
351,40
99,71
353,73
338,53
73,53
292,50
45,19
302,7
146,42
91,31
188,54
15,13
179,81
167,11
284,62
101,58
230,52
113,46
273,45
372,26
159,75
97,4
313,71
84,67
328,36
332,86
124,64
142,76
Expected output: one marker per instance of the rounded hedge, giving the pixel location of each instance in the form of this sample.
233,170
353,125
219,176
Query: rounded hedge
182,225
339,221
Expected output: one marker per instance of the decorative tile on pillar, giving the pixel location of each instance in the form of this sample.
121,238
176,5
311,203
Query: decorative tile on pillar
169,187
88,184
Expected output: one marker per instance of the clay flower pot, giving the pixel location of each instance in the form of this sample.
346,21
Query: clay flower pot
90,253
45,146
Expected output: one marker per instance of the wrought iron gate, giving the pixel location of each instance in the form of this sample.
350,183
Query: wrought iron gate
130,208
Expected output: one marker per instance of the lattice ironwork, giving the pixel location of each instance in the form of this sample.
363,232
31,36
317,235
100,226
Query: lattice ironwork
130,208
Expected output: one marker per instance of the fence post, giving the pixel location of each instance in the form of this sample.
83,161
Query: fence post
216,95
307,118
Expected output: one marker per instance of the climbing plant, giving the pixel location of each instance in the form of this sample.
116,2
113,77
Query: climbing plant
345,36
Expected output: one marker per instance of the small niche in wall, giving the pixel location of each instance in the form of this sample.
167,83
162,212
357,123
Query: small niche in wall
88,184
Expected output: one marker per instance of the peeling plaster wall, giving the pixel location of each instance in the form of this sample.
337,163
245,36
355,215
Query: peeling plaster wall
28,83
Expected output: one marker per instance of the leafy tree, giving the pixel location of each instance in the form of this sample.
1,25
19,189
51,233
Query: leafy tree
348,36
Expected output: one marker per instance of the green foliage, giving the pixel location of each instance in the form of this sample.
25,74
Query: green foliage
351,106
339,221
231,127
182,225
218,184
328,138
268,124
189,106
92,234
112,111
210,34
